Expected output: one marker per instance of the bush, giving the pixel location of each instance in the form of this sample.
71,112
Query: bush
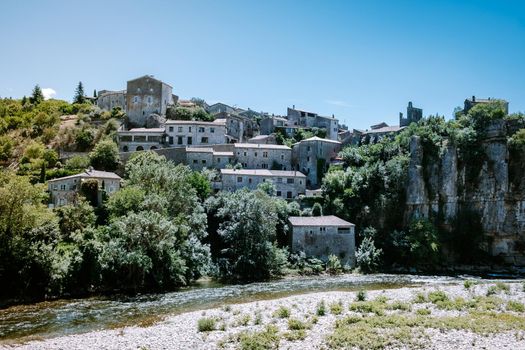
437,296
336,308
105,156
515,306
282,312
360,296
321,308
206,324
295,324
265,339
333,265
469,283
423,312
368,256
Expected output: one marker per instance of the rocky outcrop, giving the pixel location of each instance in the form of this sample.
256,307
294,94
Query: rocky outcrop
442,187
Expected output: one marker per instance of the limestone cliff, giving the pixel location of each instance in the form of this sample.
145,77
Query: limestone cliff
491,187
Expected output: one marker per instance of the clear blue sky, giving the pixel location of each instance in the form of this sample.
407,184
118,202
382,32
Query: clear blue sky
360,60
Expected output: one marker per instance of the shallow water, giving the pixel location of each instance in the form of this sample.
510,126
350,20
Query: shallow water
62,317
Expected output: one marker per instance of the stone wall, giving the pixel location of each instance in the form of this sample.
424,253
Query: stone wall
441,189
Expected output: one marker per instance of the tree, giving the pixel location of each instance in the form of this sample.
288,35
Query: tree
79,94
36,96
317,209
95,93
247,229
105,155
368,256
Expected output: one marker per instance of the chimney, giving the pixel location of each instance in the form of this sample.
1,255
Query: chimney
473,98
400,115
293,106
410,104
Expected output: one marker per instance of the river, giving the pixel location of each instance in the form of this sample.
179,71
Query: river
70,316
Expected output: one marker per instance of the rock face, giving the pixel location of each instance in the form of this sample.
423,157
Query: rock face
493,190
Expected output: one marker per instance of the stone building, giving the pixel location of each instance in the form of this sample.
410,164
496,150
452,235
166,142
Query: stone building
238,127
264,139
306,119
195,133
107,100
413,115
469,103
263,156
312,156
220,107
141,139
268,124
288,184
65,190
321,236
199,158
145,96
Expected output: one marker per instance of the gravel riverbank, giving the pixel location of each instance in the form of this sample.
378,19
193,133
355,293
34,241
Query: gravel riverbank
451,316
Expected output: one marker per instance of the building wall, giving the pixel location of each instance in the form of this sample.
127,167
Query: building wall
308,154
322,241
330,124
131,141
185,134
199,160
65,191
284,189
146,96
259,157
107,100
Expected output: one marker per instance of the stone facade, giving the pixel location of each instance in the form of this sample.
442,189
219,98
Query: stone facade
269,124
219,107
238,127
288,184
195,133
199,158
65,190
321,236
107,100
300,118
413,115
263,156
145,96
312,157
141,139
471,102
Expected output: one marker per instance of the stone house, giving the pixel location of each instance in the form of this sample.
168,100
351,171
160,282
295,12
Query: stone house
288,184
321,236
195,133
220,107
65,190
306,119
263,156
469,103
238,127
312,156
199,158
141,139
264,139
268,124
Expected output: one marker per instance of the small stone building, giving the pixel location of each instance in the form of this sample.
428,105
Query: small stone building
65,190
288,184
195,133
263,156
199,158
321,236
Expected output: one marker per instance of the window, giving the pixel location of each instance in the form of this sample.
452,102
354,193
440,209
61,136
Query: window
204,140
189,128
264,166
212,130
218,160
190,140
307,159
170,140
239,179
255,154
62,187
244,153
171,129
300,182
203,161
343,230
201,129
149,99
55,187
282,156
278,193
135,99
265,154
289,194
290,181
179,129
249,180
195,161
125,138
308,148
179,140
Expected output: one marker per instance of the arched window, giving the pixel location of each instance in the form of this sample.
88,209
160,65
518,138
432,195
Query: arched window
153,147
140,148
125,149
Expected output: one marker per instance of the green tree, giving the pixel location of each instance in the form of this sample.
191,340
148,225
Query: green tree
36,96
368,257
317,209
79,94
105,155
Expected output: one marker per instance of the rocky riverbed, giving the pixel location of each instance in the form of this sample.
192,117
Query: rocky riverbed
455,316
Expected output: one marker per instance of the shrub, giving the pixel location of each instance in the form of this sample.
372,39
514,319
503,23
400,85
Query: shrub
515,306
295,324
336,308
206,324
368,307
321,308
368,256
265,339
334,265
398,305
360,296
295,335
105,155
282,312
503,287
469,283
423,312
437,296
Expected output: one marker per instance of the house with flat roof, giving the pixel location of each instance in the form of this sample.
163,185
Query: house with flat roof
191,133
322,236
199,158
64,190
288,184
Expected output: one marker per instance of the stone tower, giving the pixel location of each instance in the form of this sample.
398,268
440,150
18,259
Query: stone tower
413,115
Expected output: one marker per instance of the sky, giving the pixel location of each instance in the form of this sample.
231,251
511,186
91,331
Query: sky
359,60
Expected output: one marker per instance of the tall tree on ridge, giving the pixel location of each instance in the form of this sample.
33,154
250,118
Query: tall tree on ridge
79,93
